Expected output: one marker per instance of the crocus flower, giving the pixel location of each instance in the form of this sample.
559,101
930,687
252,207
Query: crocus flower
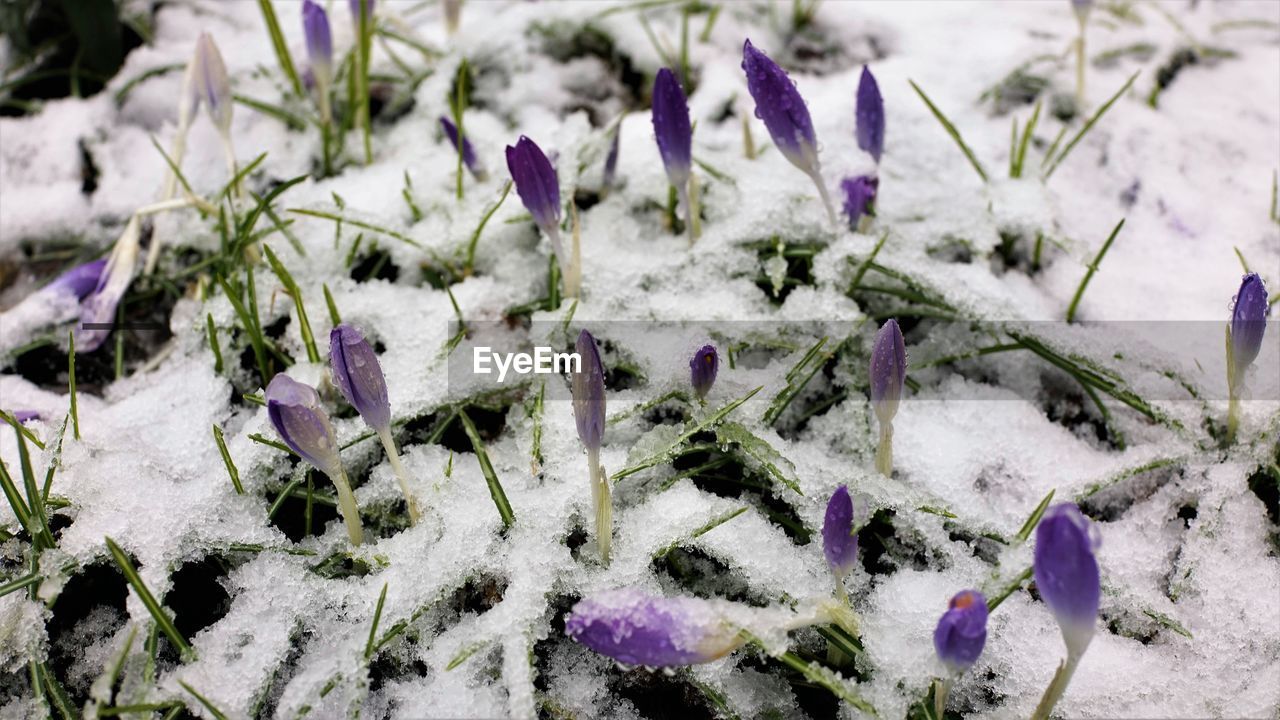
859,198
98,308
672,130
588,413
469,158
1248,322
703,367
1066,573
888,374
870,115
962,631
315,27
452,15
538,187
56,302
839,542
214,85
25,416
611,161
358,375
79,281
785,115
636,628
295,411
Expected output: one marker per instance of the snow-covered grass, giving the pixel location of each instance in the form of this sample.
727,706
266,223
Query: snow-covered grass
1122,411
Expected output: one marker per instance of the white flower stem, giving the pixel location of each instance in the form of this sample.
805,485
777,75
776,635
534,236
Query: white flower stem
689,201
884,453
402,477
826,197
571,271
347,505
603,501
233,167
942,688
1057,687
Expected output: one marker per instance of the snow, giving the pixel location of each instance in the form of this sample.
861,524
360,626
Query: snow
1187,546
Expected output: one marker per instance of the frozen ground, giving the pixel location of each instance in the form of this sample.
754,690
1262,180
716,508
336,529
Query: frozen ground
472,623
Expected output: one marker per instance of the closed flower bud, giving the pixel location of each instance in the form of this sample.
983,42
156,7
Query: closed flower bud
588,393
295,411
315,28
888,371
780,106
98,307
859,198
1066,573
358,375
469,158
870,115
635,628
703,367
1081,8
839,542
79,281
1248,322
671,127
212,82
962,631
538,186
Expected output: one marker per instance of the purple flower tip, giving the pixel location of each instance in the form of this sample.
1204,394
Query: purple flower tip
839,543
962,631
536,183
633,627
294,409
611,160
870,115
703,367
780,106
213,84
315,27
671,127
358,375
859,198
79,281
24,416
355,9
468,151
888,371
1248,321
588,393
1066,572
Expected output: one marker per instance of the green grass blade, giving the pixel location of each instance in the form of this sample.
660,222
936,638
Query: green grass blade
226,459
1088,126
213,343
37,520
282,49
19,583
304,324
71,382
334,316
1020,163
357,223
1093,268
484,220
708,527
952,131
217,714
54,461
691,429
994,600
369,645
1034,519
486,467
162,620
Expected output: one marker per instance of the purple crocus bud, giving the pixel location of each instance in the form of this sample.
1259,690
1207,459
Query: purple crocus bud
703,367
859,198
295,411
98,308
1248,322
870,115
888,371
839,542
25,416
671,128
538,187
355,9
1066,573
588,393
1081,8
636,628
962,631
780,106
79,281
469,158
315,26
611,161
358,375
212,82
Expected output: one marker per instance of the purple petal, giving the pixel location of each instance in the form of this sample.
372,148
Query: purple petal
839,543
870,115
23,416
780,106
633,627
859,197
79,280
671,127
1248,321
703,367
588,393
294,410
888,370
358,375
611,160
315,27
962,631
468,151
215,86
536,183
1066,571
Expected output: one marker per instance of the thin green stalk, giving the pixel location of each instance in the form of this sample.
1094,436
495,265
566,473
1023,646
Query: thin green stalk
213,343
952,131
995,600
71,383
469,264
217,714
369,645
281,48
291,287
1020,162
20,583
1092,268
334,316
226,459
1088,126
1034,519
162,619
486,468
459,104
